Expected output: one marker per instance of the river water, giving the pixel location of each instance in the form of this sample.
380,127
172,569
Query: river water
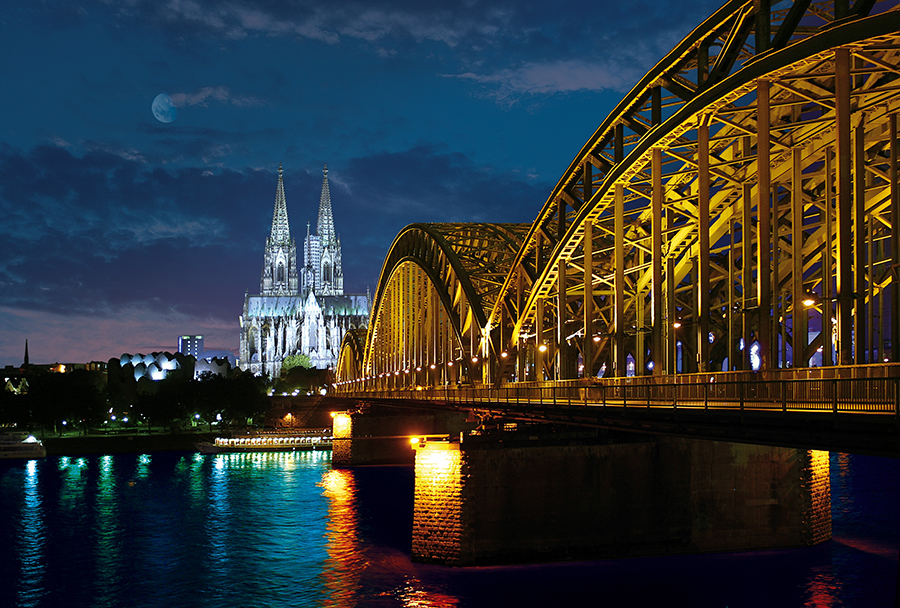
244,530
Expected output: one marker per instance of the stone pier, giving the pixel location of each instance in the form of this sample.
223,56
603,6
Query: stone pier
383,438
483,503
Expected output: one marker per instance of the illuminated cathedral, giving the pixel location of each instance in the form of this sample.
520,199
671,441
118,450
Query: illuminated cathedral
300,309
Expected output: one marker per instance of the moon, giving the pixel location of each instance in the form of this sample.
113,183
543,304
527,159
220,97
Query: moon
164,108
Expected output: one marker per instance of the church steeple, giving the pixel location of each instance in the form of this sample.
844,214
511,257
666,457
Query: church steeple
281,229
325,225
329,277
279,274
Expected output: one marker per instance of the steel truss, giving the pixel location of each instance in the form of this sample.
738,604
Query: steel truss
743,193
428,311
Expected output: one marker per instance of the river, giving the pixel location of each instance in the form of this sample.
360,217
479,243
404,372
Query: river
243,530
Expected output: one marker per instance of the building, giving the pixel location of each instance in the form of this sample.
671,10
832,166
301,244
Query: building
191,345
300,309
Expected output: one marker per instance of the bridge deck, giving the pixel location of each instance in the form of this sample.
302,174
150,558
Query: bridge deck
841,414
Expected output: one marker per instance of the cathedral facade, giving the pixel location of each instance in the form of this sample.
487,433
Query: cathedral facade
300,309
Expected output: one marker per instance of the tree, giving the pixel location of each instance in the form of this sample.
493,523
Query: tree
76,397
297,360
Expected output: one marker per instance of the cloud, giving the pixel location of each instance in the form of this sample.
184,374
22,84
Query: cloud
101,231
220,93
110,256
449,22
553,77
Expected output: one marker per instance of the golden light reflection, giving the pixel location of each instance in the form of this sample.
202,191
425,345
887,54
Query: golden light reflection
412,595
341,570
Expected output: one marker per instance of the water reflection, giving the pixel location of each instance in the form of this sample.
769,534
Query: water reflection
340,572
107,536
142,467
219,513
412,594
286,530
32,539
368,512
823,588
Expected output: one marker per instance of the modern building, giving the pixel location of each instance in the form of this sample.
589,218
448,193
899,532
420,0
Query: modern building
300,309
191,345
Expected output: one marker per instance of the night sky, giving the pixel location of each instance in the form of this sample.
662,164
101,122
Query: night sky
120,232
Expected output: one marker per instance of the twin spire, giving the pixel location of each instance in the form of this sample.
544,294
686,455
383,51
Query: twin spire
325,226
281,229
322,265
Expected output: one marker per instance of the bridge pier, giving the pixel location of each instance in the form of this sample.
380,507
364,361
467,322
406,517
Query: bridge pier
382,437
485,502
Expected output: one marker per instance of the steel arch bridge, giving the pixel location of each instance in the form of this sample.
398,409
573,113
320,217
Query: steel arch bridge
735,211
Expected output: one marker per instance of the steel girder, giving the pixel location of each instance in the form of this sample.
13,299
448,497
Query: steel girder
752,169
721,193
350,360
428,314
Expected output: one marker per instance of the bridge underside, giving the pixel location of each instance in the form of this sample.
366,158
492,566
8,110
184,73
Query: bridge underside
866,433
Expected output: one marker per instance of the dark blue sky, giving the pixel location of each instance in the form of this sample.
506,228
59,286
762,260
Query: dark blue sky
119,232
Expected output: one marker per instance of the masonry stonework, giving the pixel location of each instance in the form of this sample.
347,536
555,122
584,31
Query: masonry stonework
486,504
384,438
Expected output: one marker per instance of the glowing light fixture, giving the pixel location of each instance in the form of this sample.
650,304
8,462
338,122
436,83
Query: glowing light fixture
542,348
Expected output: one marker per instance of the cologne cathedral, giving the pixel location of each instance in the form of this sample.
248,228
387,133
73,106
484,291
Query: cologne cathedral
300,309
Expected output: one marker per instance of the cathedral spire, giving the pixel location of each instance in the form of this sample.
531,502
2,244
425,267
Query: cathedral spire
281,230
325,225
279,274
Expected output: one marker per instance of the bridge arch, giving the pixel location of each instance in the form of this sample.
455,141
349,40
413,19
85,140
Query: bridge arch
350,359
736,210
428,315
669,181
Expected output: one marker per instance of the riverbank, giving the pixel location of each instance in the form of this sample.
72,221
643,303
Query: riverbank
76,445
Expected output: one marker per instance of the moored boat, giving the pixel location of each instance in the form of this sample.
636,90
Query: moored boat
21,446
282,442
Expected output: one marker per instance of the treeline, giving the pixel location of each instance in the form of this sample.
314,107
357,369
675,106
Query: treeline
83,400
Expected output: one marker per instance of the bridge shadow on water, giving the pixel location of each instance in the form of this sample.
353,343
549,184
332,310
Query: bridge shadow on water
858,567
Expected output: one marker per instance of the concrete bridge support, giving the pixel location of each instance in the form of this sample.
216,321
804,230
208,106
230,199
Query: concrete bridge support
383,438
480,503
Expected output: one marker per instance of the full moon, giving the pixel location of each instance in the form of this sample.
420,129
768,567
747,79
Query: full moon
163,108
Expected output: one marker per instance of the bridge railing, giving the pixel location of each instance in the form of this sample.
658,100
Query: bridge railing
879,395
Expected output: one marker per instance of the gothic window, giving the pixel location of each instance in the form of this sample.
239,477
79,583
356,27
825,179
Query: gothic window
280,278
326,273
264,343
252,345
